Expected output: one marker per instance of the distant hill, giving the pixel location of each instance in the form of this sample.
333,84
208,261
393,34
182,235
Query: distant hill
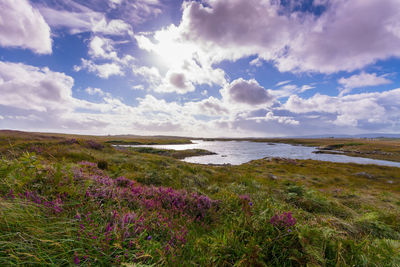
6,132
369,135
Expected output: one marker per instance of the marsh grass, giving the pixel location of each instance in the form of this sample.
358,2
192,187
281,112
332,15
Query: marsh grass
177,154
29,236
58,208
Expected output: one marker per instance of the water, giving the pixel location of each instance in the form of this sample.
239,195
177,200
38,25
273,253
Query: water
238,152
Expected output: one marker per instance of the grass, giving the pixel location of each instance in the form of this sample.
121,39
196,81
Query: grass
146,208
177,154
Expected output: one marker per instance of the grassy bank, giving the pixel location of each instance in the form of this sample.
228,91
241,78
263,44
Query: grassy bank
177,154
66,201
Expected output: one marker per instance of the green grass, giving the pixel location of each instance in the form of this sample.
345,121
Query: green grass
342,218
177,154
28,236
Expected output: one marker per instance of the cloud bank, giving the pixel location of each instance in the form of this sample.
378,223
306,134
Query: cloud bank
348,36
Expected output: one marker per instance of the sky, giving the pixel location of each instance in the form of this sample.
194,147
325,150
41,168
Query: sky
205,68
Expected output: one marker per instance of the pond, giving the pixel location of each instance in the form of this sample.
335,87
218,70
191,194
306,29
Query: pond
238,152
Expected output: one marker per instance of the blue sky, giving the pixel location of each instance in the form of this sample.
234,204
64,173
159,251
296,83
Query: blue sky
212,68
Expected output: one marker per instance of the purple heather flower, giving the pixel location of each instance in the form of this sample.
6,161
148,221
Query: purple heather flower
108,228
245,197
149,237
76,259
11,194
284,220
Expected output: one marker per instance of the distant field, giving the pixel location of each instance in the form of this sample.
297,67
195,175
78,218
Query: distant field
6,135
78,200
380,148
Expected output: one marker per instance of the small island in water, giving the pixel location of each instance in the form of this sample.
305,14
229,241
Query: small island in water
140,201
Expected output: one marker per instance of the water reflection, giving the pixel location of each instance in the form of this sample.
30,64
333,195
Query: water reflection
238,152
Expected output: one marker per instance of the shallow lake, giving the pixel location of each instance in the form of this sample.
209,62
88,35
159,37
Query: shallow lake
238,152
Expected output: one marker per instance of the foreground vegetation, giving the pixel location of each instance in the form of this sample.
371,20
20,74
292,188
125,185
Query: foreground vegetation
80,201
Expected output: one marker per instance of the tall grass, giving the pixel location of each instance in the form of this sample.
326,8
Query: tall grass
146,209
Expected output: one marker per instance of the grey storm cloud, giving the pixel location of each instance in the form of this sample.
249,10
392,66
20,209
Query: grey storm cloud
178,80
248,92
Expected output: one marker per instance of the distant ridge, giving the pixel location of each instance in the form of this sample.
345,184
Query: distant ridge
369,135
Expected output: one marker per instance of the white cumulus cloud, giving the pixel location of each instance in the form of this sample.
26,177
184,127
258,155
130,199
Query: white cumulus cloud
23,26
357,110
32,88
362,80
102,70
85,20
94,91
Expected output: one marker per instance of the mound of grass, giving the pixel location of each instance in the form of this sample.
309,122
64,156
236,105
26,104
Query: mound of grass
177,154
